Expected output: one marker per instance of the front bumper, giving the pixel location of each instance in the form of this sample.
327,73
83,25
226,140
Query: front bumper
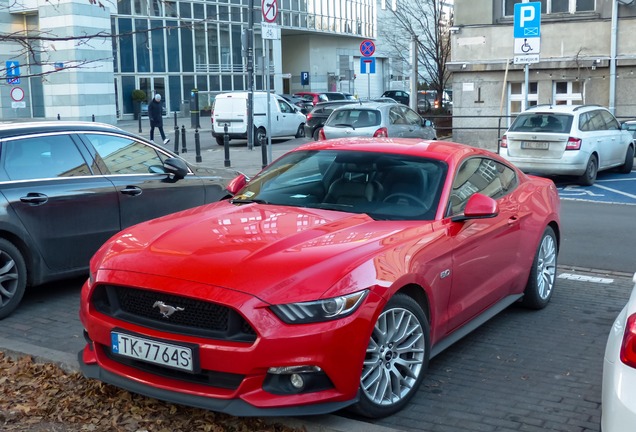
336,347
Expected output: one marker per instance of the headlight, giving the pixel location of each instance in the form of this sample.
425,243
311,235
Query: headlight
319,310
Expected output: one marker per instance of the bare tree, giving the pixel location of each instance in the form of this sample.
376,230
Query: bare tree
427,21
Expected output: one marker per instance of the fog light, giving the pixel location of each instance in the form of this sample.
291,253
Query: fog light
297,381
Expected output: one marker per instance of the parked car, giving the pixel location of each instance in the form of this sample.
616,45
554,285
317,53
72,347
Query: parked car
630,126
328,281
400,96
67,187
319,114
429,100
302,104
618,410
321,97
376,119
577,140
230,109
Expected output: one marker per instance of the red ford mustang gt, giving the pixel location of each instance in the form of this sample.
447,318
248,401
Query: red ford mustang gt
328,281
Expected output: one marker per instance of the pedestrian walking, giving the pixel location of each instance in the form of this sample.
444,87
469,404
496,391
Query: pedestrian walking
156,119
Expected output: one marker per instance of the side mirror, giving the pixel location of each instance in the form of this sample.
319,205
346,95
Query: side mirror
237,184
175,166
479,206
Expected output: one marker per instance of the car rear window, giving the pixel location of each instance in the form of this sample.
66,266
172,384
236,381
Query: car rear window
542,122
355,117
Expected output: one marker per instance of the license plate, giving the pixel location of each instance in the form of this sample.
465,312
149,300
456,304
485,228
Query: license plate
153,351
535,145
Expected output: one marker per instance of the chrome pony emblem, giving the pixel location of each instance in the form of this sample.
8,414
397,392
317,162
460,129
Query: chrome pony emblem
166,310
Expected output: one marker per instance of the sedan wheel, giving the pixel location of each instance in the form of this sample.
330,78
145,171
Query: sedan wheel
12,278
543,272
396,358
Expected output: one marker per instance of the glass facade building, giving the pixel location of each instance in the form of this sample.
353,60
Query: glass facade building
173,46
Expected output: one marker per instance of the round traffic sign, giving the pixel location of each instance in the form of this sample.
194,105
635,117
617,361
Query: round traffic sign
367,48
17,94
270,10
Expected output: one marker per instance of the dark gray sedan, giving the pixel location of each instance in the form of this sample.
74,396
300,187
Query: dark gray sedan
65,188
377,119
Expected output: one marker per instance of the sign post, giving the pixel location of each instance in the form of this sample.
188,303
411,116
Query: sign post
270,31
367,49
527,37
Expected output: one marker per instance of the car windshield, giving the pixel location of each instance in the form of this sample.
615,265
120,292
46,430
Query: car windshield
542,122
384,186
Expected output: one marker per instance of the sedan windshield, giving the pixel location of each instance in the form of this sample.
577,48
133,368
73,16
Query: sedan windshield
384,186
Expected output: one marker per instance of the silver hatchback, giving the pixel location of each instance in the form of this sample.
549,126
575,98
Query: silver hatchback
377,119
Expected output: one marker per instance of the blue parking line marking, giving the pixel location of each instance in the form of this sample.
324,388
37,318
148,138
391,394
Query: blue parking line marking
612,188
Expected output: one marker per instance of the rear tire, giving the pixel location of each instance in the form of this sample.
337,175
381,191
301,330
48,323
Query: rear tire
13,277
316,134
626,168
589,176
543,272
220,141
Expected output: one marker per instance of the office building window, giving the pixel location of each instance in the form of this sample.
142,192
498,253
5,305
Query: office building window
554,6
568,92
517,98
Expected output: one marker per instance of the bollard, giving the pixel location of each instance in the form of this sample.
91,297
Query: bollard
93,118
176,134
197,145
226,145
184,149
139,117
58,116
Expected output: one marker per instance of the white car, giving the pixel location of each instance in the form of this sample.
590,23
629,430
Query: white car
619,372
577,140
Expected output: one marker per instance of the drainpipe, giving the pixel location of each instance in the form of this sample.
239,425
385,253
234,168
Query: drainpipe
612,65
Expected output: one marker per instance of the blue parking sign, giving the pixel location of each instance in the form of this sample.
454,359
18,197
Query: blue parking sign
304,78
527,20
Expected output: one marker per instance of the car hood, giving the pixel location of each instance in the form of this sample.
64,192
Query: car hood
262,250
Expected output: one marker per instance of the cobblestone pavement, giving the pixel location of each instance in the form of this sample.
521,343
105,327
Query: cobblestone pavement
522,371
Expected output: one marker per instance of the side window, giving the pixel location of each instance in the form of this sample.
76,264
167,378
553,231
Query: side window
43,157
120,155
285,107
396,116
585,122
610,121
482,175
412,117
596,121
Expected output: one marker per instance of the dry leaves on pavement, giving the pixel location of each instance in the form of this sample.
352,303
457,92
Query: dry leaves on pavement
38,397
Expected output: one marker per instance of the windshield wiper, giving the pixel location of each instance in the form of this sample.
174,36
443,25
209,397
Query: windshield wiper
247,201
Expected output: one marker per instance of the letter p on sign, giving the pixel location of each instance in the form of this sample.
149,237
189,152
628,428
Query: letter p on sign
527,14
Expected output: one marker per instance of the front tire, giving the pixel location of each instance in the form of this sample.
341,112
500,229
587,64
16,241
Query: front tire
260,136
300,133
626,168
396,359
13,276
589,176
543,273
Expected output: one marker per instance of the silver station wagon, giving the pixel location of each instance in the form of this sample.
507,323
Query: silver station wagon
577,140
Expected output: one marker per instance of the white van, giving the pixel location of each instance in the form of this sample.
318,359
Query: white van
231,109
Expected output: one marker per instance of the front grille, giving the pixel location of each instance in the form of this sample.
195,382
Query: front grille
193,317
205,377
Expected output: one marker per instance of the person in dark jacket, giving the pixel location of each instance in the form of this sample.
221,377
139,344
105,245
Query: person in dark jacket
156,119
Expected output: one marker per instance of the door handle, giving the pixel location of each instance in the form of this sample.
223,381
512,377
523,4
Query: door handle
513,220
131,190
34,198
